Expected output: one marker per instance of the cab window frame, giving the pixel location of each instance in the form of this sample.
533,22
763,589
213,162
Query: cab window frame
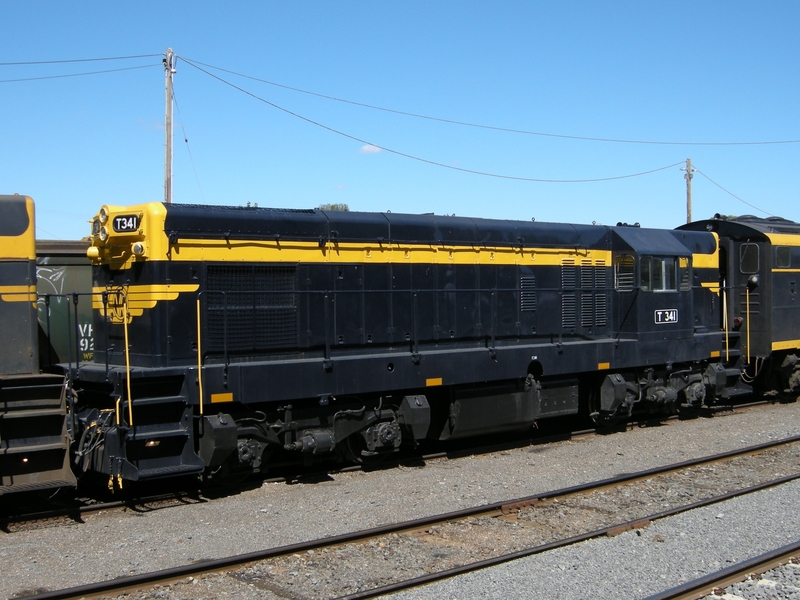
749,262
660,274
783,257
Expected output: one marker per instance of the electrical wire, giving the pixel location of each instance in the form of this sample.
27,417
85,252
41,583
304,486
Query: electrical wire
188,149
732,194
410,156
491,127
75,60
77,74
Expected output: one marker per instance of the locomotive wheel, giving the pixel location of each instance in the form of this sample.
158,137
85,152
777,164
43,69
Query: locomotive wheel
774,389
352,448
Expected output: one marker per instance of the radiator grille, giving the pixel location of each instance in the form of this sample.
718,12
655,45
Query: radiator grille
568,301
587,296
527,286
600,312
250,308
568,317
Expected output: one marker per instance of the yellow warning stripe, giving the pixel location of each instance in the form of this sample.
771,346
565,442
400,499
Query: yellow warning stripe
786,345
139,297
18,293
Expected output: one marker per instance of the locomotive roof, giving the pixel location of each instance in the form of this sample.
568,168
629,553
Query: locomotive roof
649,241
251,222
745,227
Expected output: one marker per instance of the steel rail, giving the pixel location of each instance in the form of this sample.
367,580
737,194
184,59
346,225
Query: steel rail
137,581
703,586
610,531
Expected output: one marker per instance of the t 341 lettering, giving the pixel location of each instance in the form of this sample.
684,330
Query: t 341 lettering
666,315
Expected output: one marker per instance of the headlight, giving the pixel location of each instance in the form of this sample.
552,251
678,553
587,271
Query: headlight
104,215
138,248
95,227
103,234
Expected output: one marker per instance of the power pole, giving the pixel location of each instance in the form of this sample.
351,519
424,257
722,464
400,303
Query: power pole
169,71
688,176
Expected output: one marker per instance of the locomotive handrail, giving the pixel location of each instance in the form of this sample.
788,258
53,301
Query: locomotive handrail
725,321
49,337
199,357
125,318
199,338
747,319
72,330
225,354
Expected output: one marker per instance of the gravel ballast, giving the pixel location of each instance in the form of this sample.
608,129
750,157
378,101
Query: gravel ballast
117,543
642,562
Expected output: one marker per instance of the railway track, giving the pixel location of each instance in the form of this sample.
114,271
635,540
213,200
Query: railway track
715,582
16,518
519,515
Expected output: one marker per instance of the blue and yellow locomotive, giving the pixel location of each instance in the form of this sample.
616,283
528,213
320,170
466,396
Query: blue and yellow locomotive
230,339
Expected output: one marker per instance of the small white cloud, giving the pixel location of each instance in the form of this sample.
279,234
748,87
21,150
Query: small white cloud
369,149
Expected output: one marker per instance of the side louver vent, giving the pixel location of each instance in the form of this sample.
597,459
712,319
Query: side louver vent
527,286
568,300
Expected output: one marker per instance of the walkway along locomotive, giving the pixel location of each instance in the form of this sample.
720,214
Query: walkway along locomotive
230,339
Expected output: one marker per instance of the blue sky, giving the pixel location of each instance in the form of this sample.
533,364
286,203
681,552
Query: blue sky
716,71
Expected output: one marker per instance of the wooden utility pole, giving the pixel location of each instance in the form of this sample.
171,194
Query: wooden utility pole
688,176
169,71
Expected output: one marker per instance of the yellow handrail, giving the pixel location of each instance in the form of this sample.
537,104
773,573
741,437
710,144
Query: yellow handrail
725,321
199,359
747,311
125,317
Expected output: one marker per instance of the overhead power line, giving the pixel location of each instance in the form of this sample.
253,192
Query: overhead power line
78,74
188,149
491,127
75,60
732,194
412,157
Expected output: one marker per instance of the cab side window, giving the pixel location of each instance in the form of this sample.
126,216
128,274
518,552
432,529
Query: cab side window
783,257
748,258
659,274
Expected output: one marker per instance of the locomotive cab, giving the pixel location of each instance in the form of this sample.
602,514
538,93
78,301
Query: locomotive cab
654,270
759,267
